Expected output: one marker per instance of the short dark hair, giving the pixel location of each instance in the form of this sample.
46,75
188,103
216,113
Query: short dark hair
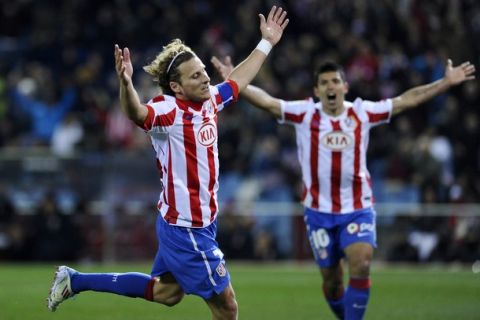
328,66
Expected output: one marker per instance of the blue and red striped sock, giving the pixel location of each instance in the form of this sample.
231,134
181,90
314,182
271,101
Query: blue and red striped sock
356,298
131,284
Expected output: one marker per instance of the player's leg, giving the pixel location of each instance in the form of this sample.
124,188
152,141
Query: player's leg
166,290
333,288
69,282
358,239
326,250
224,305
359,256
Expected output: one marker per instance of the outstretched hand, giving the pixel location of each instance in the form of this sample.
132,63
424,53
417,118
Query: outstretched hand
223,68
272,27
123,65
459,74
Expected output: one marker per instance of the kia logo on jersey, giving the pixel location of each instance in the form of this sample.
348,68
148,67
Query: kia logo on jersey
207,135
336,140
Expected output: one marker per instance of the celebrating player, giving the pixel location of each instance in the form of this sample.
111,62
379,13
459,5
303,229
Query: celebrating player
332,140
182,124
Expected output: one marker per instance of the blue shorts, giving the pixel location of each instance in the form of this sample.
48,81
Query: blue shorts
329,234
193,257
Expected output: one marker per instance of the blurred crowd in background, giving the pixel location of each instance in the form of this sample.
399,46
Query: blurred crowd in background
59,95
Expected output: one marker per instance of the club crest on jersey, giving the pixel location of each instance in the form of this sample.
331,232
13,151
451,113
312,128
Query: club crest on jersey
351,122
207,135
336,140
221,270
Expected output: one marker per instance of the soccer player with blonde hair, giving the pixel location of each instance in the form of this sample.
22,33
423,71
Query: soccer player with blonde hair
182,125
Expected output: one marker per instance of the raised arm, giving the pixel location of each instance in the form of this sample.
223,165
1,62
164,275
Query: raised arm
417,95
129,100
272,30
256,96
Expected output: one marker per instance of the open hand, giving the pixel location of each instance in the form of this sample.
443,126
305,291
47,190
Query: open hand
272,28
123,65
223,68
459,74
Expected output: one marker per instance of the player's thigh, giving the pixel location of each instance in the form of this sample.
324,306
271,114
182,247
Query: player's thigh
325,246
224,305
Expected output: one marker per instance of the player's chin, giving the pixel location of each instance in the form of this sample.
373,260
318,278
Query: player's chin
199,98
204,95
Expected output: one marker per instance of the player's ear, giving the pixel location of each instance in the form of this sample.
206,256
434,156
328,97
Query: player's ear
176,87
346,87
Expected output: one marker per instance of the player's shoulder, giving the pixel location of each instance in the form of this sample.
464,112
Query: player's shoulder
162,103
360,103
304,104
357,102
162,98
308,102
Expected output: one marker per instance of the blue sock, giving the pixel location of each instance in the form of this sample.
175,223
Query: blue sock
356,298
336,301
131,284
337,307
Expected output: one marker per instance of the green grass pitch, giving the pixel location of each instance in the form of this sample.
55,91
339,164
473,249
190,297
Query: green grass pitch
264,291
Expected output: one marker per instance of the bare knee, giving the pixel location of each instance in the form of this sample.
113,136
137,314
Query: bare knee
167,291
359,260
224,306
232,308
360,267
229,307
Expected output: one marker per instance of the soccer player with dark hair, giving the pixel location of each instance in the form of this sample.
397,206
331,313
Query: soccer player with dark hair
182,124
332,139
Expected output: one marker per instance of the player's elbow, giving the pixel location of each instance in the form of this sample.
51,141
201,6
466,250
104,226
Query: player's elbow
241,84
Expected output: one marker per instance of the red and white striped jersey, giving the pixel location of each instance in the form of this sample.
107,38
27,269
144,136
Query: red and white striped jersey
333,152
184,136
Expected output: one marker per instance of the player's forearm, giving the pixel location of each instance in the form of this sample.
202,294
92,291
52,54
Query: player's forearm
261,99
244,73
418,95
130,104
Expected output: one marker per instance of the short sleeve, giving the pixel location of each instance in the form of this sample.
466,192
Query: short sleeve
147,124
293,112
377,112
161,114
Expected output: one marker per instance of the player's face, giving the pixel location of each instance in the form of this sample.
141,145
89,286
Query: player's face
331,90
194,81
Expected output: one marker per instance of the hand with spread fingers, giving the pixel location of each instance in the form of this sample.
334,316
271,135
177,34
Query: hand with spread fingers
459,74
223,68
272,27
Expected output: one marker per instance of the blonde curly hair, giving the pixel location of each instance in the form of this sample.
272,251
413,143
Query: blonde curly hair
164,68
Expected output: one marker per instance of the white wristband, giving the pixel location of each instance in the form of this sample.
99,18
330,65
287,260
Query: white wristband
265,46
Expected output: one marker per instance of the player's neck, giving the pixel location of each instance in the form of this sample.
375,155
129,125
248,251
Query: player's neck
334,110
185,103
